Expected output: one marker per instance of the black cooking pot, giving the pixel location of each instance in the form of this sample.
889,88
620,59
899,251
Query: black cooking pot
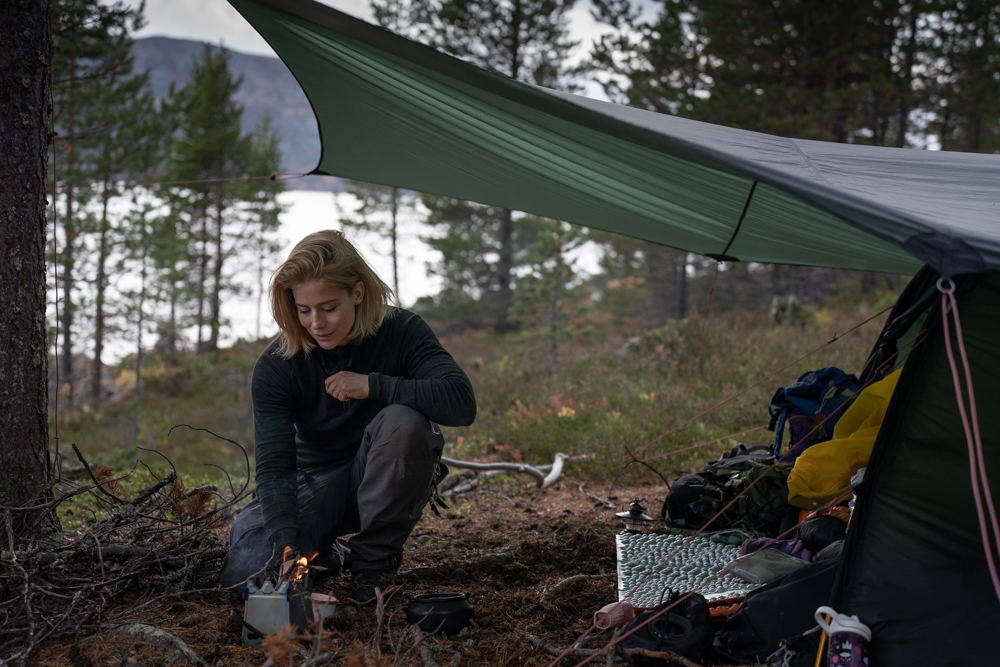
440,612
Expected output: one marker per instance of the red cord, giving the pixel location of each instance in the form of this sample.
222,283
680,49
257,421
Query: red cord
676,602
705,444
977,463
916,340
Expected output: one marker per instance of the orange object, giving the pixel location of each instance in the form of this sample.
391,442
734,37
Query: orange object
723,609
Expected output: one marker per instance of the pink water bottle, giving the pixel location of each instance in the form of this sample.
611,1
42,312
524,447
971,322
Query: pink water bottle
848,638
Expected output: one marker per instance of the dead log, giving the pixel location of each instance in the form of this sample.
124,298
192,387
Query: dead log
542,480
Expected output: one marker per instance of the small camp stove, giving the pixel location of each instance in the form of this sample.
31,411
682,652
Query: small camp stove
270,609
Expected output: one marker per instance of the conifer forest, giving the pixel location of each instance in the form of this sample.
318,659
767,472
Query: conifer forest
131,219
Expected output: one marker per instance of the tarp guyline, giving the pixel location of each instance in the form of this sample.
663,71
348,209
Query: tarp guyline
396,112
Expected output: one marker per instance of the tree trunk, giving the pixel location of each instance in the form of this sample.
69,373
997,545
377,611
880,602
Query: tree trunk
140,313
68,254
170,344
67,258
260,286
97,367
202,276
25,112
505,295
682,285
661,279
868,279
973,132
395,261
213,340
906,86
557,286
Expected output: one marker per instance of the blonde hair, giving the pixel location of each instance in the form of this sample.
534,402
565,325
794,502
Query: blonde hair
327,257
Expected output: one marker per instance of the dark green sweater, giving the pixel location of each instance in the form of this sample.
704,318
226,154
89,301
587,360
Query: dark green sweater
298,425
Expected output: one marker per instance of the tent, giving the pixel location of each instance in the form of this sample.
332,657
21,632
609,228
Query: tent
395,112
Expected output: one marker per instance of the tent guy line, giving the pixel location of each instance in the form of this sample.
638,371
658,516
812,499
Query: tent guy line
889,367
767,377
977,464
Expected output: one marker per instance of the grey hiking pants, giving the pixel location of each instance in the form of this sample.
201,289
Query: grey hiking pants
380,496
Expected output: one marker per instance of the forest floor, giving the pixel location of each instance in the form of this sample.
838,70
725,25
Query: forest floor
675,395
546,537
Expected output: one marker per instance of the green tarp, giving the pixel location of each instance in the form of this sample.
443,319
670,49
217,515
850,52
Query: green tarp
395,112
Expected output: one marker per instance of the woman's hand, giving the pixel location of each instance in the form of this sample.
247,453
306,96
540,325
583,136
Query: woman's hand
346,385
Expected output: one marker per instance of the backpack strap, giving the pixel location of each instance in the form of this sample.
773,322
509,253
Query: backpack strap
779,432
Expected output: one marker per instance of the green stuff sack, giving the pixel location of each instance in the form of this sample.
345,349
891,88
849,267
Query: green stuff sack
765,504
694,499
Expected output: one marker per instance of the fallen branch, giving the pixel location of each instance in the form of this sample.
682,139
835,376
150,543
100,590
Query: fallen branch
100,485
606,504
669,656
162,640
418,637
320,660
427,656
150,549
542,480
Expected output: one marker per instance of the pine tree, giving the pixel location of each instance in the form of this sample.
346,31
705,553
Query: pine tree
860,71
129,149
377,214
527,40
25,116
219,216
838,71
649,280
91,60
263,210
546,303
961,62
470,238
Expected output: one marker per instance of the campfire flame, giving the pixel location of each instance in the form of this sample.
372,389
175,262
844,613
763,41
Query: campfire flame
300,569
297,571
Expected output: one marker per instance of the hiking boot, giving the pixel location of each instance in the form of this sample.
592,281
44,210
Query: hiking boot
364,583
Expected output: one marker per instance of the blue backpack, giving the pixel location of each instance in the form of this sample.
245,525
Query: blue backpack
817,396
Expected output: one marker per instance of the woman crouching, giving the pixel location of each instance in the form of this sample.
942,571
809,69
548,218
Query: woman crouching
346,403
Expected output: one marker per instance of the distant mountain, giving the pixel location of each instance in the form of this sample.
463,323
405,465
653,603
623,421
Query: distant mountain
268,88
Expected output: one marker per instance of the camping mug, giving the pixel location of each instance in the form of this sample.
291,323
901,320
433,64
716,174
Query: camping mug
849,637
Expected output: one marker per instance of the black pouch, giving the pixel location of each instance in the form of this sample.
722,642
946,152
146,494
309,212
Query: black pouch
775,612
821,531
685,630
691,501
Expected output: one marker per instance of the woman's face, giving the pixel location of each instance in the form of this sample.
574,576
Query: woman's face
327,313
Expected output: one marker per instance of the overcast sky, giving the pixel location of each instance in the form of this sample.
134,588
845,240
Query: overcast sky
216,20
